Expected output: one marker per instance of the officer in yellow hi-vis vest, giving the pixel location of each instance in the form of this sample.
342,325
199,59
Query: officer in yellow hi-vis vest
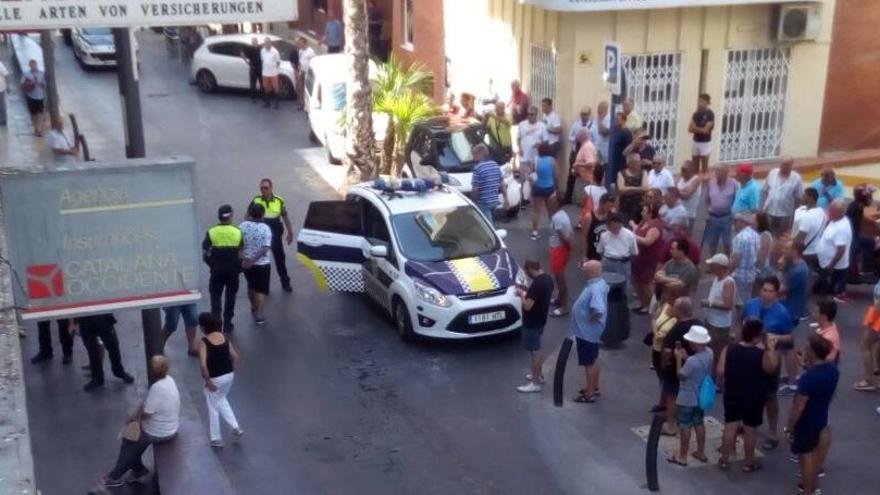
276,212
222,252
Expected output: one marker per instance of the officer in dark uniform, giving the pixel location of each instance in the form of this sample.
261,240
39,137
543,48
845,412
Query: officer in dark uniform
45,335
276,212
92,328
222,252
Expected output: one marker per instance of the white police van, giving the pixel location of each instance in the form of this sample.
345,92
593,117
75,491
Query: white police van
429,258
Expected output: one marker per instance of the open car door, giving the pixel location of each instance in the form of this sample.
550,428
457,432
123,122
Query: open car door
331,243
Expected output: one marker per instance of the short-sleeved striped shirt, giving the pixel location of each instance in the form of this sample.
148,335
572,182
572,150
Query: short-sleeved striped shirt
487,180
746,245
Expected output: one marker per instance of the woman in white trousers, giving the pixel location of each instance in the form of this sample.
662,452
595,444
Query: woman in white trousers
217,357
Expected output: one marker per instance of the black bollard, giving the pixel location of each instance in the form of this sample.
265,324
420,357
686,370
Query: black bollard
651,453
559,372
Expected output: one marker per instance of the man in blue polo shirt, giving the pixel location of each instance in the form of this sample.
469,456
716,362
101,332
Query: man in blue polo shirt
588,317
779,325
748,196
487,182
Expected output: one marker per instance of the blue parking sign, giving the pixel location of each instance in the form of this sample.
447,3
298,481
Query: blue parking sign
613,69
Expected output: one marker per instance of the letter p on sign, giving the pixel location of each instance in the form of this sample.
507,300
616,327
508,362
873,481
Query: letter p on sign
613,68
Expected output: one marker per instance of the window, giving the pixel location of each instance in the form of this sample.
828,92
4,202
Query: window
444,234
310,81
229,49
375,228
341,217
408,23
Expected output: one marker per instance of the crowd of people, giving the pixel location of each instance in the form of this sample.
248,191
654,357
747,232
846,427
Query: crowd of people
777,253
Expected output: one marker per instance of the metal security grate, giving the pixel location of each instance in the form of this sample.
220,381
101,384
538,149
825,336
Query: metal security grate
653,82
543,81
754,102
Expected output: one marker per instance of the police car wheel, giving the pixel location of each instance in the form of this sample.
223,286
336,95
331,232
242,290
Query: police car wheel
402,322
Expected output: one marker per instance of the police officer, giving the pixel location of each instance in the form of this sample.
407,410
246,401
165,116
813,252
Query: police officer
276,212
92,328
222,252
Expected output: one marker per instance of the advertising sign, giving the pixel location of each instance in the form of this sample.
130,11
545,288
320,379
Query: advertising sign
103,238
597,5
49,14
613,68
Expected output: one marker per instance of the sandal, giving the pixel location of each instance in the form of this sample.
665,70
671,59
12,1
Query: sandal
723,465
769,444
751,468
558,312
585,399
664,433
673,460
865,386
702,458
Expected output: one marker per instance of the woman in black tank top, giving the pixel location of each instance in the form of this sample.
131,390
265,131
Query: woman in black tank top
597,227
217,358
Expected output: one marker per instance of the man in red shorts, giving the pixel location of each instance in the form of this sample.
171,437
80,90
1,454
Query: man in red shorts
561,234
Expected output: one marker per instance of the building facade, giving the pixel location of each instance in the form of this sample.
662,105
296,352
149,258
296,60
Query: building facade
767,94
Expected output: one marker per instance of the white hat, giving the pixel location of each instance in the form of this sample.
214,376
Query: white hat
719,259
698,335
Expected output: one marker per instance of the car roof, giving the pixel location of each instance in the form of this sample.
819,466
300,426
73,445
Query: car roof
408,202
336,64
444,125
239,38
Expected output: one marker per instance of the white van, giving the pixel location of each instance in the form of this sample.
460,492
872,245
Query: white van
325,98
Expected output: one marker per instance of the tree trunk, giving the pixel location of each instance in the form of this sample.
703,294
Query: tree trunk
388,149
360,140
48,45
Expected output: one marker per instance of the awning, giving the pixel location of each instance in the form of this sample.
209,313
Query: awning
600,5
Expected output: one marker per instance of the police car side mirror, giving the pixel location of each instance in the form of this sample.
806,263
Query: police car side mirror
502,233
379,251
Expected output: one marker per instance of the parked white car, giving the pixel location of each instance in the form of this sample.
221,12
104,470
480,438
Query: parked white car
94,46
325,98
430,259
218,63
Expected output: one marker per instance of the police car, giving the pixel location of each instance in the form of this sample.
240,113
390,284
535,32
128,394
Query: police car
427,256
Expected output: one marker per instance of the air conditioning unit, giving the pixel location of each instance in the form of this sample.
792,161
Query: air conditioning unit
797,21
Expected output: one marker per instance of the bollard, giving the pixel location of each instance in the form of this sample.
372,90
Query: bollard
651,453
559,372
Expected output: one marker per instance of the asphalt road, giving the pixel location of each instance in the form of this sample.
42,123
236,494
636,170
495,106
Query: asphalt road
331,400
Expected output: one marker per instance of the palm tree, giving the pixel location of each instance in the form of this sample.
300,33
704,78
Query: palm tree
400,93
359,153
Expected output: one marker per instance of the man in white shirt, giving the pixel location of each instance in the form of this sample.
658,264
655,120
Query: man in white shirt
306,54
781,194
582,123
553,124
531,133
257,241
672,214
833,253
271,60
690,190
617,245
659,177
3,74
809,221
61,145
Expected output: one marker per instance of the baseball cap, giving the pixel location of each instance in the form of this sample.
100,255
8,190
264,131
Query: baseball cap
719,259
224,212
746,168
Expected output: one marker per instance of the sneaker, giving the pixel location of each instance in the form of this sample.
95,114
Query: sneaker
217,444
814,325
842,298
535,235
259,320
558,312
795,459
40,357
529,378
821,474
108,482
787,390
529,388
237,434
124,377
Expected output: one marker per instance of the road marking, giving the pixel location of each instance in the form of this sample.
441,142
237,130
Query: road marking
128,206
714,429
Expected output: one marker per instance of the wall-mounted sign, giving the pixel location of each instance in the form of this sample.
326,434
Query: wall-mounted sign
595,5
613,68
98,238
49,14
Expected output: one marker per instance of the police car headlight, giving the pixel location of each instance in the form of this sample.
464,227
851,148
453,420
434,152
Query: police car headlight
522,280
431,295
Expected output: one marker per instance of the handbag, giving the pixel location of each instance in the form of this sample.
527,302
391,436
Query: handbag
131,431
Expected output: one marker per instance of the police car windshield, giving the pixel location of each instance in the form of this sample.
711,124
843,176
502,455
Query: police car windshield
444,234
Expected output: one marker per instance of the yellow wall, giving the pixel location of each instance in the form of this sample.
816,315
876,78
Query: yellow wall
504,53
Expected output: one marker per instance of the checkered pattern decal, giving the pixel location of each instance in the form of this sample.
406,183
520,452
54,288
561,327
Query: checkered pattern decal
343,278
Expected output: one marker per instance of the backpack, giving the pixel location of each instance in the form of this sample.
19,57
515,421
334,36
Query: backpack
706,397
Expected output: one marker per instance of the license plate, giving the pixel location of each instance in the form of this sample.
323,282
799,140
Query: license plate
486,317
